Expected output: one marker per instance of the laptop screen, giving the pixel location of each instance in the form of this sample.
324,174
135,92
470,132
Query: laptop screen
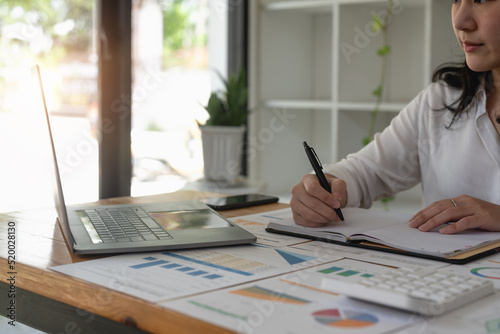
57,191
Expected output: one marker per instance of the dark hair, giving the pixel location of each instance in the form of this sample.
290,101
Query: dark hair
460,76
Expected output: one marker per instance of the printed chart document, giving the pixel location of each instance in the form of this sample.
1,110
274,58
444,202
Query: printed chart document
369,255
257,223
161,276
293,303
389,229
488,268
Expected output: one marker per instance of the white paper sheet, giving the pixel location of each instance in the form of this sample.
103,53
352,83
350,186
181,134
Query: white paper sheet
293,303
165,275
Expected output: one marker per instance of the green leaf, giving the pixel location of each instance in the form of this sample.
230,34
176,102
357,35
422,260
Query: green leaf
384,50
228,107
376,25
385,202
366,140
215,109
377,91
388,199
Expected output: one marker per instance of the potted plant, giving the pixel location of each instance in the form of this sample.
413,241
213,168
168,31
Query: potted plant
222,134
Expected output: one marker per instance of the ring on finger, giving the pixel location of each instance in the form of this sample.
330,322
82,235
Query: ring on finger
454,203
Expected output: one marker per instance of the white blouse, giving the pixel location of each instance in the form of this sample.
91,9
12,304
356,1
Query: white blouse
418,147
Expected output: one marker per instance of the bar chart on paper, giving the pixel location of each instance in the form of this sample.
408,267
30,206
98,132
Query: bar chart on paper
188,270
347,269
190,266
165,275
262,293
343,272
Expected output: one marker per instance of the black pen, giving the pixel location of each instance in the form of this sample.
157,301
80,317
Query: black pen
318,169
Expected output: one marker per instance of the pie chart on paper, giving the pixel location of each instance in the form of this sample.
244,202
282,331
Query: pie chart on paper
487,272
344,318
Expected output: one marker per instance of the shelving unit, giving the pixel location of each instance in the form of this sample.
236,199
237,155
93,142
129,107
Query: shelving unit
313,66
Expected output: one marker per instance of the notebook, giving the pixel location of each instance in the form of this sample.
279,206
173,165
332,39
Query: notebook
136,227
389,231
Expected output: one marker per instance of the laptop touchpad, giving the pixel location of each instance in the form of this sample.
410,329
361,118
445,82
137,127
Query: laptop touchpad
188,219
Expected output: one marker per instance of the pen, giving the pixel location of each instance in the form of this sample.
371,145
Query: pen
318,169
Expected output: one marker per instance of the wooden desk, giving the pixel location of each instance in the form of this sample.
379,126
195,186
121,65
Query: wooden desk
57,303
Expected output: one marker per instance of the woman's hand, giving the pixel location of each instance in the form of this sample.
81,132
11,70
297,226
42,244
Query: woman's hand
468,213
312,205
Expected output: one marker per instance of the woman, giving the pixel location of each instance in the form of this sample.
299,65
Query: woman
448,138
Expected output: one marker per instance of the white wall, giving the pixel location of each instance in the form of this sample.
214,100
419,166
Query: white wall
217,44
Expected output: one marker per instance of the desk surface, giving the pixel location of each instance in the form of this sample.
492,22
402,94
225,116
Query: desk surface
58,303
40,245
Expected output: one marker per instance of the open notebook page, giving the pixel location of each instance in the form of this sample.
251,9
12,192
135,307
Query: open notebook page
391,229
432,243
356,221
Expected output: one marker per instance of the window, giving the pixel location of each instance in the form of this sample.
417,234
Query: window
171,83
172,79
58,35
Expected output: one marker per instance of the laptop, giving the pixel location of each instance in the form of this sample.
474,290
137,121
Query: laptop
126,228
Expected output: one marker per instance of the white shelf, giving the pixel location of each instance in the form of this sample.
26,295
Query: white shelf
369,106
329,105
299,104
306,5
327,5
314,66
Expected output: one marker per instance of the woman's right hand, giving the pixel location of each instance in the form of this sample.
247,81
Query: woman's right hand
312,205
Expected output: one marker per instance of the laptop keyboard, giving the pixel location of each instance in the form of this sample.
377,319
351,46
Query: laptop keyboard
124,225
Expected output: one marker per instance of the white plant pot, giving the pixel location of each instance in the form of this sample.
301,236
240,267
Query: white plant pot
222,147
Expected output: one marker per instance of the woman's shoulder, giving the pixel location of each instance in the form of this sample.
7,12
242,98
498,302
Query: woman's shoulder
429,107
436,96
434,100
439,94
